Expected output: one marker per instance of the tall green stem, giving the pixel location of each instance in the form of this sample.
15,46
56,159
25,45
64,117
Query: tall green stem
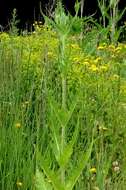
63,107
114,13
63,127
64,87
113,24
104,22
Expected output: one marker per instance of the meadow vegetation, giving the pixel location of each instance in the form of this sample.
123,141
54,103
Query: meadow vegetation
63,105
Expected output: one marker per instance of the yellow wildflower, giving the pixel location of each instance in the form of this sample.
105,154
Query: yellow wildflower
19,184
93,170
86,63
101,47
93,68
104,68
97,59
18,125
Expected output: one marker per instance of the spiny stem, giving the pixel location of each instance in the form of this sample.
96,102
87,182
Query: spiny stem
63,103
63,127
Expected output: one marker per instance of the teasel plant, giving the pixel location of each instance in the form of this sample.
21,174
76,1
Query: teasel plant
58,177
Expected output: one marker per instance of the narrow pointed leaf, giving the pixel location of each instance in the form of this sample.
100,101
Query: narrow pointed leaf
120,15
75,173
68,150
41,182
63,116
56,140
52,177
72,108
55,108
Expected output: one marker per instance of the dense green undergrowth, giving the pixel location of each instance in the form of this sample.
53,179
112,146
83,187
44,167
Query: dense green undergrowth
62,110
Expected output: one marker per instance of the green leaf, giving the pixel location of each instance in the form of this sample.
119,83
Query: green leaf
56,139
63,116
41,182
52,177
77,7
120,15
68,150
75,173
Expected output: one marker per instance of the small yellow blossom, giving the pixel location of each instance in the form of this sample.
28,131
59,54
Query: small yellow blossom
86,63
97,59
93,68
101,47
104,68
19,184
93,170
18,125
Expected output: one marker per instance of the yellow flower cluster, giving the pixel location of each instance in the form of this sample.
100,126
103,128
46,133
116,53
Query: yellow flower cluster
4,36
43,47
113,49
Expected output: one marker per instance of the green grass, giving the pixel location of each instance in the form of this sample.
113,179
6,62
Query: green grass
62,108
